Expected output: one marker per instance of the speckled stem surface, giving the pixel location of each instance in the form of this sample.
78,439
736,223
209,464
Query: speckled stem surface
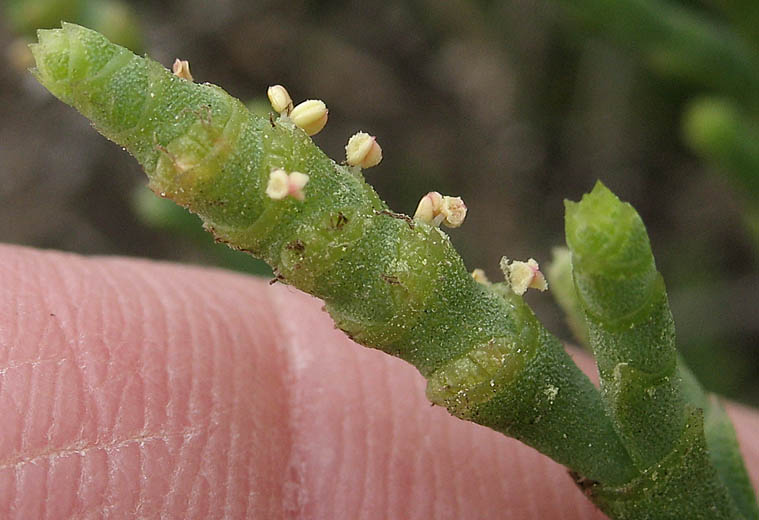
388,281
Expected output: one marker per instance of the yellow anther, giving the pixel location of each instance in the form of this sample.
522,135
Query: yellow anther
524,275
363,150
480,276
280,99
453,210
181,69
428,209
310,115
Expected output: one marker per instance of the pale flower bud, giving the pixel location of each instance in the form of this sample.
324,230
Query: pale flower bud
281,184
181,69
428,209
453,211
280,99
524,275
363,150
310,115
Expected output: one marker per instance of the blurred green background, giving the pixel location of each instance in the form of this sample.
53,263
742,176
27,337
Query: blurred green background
512,104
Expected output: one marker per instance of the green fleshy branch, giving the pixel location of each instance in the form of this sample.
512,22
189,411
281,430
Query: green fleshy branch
657,406
388,281
719,432
630,327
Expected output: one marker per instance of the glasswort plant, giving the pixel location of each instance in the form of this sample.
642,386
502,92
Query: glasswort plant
649,444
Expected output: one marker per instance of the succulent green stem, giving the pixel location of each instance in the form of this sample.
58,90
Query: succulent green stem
396,284
658,415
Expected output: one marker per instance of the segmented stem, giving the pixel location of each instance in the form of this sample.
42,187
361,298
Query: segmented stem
396,284
657,407
389,282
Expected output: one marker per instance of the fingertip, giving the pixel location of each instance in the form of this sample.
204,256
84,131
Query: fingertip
138,387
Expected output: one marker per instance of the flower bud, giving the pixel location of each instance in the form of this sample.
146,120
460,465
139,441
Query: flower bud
310,115
280,99
281,184
363,150
181,69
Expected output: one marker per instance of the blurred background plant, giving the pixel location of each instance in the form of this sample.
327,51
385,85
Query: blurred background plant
512,104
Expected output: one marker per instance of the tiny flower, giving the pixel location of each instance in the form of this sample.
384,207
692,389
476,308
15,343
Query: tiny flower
281,184
480,276
454,211
524,275
280,99
436,209
181,69
428,209
310,115
363,150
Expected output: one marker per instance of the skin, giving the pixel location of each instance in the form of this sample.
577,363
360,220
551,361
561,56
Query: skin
153,390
